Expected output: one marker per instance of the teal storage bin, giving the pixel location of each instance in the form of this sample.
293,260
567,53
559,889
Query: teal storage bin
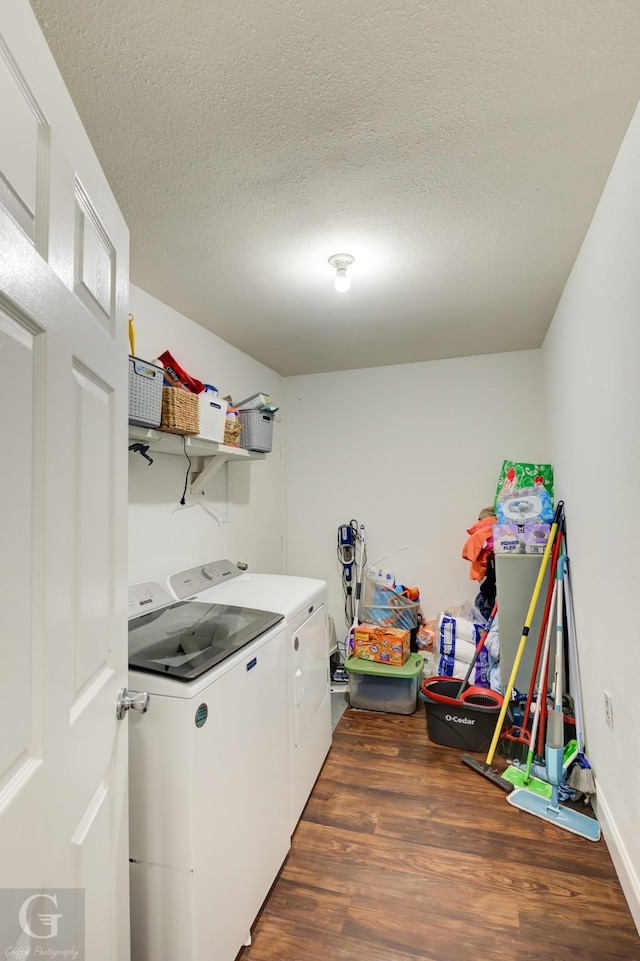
383,687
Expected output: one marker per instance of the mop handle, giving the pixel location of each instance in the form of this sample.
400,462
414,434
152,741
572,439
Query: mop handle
559,633
525,630
543,625
541,693
483,638
542,730
574,666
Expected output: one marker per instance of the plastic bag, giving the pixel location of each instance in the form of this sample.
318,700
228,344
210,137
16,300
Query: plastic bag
518,476
492,643
449,666
467,612
426,635
176,376
383,605
531,505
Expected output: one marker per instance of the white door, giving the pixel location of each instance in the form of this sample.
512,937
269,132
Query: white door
63,290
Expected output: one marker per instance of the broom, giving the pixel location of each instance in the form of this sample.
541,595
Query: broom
581,777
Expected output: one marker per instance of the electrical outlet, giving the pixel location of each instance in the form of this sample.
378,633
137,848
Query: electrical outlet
608,710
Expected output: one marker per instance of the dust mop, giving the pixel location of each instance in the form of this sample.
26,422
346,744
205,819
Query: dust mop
550,810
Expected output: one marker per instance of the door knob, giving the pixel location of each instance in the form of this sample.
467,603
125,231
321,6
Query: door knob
131,702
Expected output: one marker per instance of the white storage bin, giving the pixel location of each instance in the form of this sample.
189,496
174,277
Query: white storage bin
257,430
145,393
212,411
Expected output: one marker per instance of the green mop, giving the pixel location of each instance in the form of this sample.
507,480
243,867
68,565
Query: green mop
550,810
521,777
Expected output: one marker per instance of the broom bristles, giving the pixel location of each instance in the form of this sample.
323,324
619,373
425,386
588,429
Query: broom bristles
581,777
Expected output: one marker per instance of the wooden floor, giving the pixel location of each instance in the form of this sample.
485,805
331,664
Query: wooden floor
404,853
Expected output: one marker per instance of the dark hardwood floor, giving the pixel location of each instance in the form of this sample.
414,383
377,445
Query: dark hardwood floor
404,854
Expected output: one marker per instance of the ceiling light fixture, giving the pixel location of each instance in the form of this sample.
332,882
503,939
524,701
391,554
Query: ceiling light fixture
340,262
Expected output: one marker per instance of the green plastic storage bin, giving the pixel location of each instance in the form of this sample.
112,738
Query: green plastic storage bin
382,687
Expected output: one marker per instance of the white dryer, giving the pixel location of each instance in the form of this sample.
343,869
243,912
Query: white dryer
303,602
208,773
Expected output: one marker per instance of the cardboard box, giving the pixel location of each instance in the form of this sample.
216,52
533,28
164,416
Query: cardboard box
386,645
520,538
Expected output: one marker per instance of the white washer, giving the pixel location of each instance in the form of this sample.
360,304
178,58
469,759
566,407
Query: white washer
209,799
303,601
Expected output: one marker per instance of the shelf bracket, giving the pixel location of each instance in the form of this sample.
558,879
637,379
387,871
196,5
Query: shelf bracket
211,467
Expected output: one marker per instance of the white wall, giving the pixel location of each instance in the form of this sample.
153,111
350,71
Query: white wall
241,514
414,453
591,357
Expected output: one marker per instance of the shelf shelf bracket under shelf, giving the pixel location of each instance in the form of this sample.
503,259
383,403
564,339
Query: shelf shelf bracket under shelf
207,457
205,468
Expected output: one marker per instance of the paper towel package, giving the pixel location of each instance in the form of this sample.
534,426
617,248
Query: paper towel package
520,538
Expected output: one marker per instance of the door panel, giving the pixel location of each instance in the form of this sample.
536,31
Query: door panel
19,152
94,843
18,350
94,259
63,350
309,671
92,455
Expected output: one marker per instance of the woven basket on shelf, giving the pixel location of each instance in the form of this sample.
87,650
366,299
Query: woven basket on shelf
179,411
232,433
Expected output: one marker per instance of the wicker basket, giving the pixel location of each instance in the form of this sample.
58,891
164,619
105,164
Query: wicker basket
232,433
179,411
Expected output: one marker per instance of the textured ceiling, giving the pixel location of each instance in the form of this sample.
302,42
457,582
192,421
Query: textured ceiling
457,148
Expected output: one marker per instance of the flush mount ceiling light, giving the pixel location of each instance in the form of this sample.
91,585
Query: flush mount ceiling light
340,262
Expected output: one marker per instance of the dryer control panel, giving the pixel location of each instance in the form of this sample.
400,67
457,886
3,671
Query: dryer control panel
197,579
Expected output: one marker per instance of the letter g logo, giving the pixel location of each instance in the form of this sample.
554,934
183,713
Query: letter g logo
48,921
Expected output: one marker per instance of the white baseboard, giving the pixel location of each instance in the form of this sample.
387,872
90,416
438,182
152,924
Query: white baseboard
625,869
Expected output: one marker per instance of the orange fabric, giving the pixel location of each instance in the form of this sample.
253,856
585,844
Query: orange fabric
476,550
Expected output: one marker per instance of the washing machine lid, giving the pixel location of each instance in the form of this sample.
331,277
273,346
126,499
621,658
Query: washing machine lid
221,581
184,640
